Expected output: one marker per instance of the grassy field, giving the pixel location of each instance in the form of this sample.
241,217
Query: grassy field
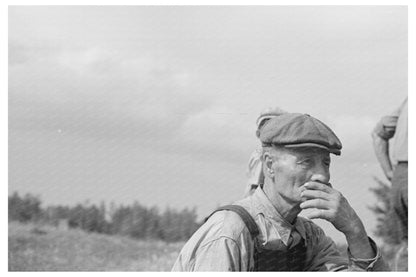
42,248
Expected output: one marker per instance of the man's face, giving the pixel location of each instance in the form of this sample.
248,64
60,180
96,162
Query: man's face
293,167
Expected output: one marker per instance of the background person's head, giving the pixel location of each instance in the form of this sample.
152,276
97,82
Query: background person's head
266,115
255,172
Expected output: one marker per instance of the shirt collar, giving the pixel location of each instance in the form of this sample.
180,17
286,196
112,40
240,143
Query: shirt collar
262,205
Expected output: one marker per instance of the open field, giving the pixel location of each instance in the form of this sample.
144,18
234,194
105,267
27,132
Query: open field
43,248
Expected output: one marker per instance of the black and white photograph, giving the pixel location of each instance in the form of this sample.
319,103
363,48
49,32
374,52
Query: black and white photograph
150,138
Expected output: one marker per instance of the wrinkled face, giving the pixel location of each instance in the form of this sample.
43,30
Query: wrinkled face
292,167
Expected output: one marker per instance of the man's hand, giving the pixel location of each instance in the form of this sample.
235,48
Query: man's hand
329,204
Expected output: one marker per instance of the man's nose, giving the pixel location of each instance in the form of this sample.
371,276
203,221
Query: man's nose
320,175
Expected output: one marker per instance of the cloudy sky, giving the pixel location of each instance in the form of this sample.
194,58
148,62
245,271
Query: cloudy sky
158,104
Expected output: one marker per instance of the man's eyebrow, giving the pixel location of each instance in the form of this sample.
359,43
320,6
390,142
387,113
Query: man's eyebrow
311,154
302,156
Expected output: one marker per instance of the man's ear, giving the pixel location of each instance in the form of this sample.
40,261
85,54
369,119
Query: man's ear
268,165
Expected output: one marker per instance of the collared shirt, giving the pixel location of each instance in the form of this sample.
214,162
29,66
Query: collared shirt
395,125
224,243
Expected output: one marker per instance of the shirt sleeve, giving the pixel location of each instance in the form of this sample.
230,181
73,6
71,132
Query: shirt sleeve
327,257
375,264
324,254
221,254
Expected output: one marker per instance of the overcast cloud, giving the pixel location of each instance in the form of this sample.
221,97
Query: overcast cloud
158,104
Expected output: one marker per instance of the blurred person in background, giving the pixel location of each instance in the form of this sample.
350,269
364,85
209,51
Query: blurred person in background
394,127
255,172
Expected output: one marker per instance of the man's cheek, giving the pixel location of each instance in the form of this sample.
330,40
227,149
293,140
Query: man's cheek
300,188
298,191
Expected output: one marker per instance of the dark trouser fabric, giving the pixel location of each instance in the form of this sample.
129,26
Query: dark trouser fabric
399,199
400,214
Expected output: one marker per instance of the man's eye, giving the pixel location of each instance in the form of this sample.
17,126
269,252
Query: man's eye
305,162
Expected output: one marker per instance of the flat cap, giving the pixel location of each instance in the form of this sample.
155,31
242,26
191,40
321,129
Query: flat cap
299,130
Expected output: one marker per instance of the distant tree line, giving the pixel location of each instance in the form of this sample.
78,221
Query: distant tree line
133,220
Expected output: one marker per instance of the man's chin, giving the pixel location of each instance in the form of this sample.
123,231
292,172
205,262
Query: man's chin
296,202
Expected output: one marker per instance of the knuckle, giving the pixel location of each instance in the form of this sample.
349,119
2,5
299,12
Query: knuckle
337,197
327,215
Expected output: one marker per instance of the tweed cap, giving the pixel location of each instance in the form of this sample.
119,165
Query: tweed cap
299,130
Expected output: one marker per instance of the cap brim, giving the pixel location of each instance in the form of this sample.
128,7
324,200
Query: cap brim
310,144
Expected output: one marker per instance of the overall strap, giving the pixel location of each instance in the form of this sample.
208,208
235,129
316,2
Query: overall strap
269,260
244,215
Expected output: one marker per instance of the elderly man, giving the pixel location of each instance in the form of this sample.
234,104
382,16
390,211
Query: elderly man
263,231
